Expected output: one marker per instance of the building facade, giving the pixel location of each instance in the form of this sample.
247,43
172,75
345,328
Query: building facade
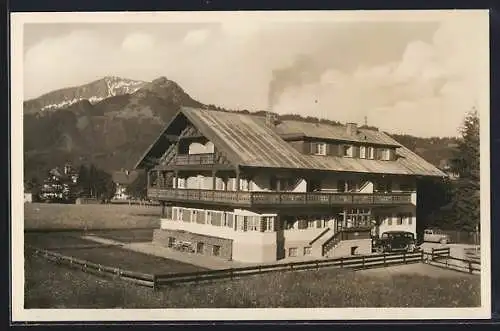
257,189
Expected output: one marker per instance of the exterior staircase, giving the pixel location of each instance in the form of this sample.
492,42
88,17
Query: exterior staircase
318,242
330,244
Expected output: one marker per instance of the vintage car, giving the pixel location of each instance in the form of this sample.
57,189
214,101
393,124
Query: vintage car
435,236
395,241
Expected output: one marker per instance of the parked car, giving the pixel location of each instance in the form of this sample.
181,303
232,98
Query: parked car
435,236
394,241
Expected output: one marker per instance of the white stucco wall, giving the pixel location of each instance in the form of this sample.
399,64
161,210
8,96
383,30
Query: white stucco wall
197,148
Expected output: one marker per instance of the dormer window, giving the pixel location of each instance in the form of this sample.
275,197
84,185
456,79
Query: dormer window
385,154
371,153
348,149
362,152
320,149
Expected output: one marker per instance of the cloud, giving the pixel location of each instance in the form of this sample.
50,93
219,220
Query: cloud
138,42
426,92
196,37
386,71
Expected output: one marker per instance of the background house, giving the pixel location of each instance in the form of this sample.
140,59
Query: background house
123,179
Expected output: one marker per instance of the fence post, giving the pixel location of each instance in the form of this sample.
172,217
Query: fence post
317,265
385,264
341,262
470,266
155,283
364,267
404,257
422,256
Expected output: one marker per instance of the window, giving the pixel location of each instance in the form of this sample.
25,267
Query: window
362,152
229,220
194,214
292,251
307,250
244,185
171,241
311,224
386,154
216,250
410,219
348,150
253,223
371,153
200,248
174,214
320,149
209,217
389,221
399,220
268,223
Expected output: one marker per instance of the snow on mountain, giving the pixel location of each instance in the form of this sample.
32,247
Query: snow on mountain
93,92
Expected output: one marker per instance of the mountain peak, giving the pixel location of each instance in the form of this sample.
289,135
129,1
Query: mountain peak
94,92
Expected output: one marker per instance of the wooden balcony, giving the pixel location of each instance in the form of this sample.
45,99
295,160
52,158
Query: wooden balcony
195,159
283,199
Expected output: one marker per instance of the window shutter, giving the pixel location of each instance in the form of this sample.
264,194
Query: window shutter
262,224
392,154
313,147
355,151
332,149
341,186
341,150
306,147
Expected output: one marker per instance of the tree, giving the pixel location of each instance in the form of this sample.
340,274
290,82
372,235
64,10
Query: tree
95,183
138,188
466,202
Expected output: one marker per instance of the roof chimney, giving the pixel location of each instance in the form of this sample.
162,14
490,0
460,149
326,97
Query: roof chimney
271,119
351,129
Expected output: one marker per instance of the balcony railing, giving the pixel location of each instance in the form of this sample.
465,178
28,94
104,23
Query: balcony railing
253,199
195,159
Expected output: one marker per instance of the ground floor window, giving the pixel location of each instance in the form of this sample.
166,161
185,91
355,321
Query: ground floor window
200,247
171,241
292,251
307,250
216,250
268,222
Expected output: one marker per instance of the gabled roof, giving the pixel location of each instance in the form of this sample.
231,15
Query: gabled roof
124,178
332,132
247,141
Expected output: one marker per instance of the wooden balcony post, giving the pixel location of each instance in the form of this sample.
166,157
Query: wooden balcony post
176,179
214,179
237,179
148,178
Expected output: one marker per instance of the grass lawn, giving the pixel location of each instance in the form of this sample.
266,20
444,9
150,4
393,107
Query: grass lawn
129,260
126,235
50,286
47,216
56,239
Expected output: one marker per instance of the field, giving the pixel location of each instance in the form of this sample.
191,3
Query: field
44,216
48,285
71,288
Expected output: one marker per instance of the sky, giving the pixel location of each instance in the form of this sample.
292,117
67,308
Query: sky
415,77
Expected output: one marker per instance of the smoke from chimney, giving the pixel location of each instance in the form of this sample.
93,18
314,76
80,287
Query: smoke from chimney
302,71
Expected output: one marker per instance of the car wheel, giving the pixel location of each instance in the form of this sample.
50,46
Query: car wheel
443,241
380,250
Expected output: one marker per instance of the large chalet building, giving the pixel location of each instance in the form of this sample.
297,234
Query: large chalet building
258,189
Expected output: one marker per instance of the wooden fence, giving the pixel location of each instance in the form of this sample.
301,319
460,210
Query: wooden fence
441,257
438,257
94,268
